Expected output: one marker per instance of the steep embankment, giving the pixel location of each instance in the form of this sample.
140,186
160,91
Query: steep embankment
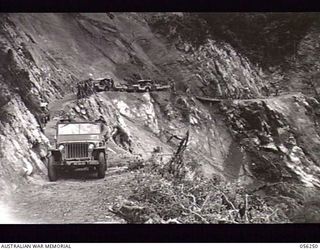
44,55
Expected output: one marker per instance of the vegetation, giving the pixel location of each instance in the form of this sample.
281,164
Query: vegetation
163,193
265,38
269,39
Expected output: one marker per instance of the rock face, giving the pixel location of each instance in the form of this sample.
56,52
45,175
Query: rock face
23,146
254,139
274,133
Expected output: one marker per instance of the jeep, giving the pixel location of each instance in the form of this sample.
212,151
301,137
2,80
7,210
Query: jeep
123,87
78,145
161,87
103,84
143,86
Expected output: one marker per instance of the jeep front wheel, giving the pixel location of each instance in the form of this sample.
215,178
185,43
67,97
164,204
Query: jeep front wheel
52,170
102,165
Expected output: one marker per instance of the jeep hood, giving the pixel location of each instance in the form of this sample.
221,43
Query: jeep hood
78,138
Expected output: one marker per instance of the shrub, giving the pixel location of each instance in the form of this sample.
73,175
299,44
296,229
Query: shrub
167,199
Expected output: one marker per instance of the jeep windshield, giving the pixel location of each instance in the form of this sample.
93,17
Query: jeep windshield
79,129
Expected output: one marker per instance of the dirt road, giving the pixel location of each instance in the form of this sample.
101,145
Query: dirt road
76,197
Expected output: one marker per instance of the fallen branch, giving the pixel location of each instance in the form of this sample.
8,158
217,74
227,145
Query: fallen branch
268,217
246,209
205,201
195,213
228,201
172,221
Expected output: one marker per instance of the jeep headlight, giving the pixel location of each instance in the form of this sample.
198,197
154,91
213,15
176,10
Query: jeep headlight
91,146
61,147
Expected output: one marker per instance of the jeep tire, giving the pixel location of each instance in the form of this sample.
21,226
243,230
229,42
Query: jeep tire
102,165
52,170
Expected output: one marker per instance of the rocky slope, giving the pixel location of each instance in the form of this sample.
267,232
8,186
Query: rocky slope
257,139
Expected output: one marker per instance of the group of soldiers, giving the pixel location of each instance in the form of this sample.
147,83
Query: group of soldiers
85,88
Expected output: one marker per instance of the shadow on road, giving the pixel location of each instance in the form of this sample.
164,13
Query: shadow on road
85,174
79,174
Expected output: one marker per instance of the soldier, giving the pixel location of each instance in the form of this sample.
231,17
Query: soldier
82,87
67,118
79,92
275,86
277,90
111,82
124,138
45,116
105,130
313,110
90,86
173,85
101,119
236,93
246,93
266,90
85,89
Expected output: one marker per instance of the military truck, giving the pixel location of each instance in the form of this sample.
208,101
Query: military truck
78,145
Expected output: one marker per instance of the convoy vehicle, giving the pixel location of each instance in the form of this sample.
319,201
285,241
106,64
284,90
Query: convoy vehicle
143,86
149,85
123,87
78,145
103,84
161,87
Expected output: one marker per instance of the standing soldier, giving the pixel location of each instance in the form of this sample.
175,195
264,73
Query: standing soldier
88,82
275,88
247,93
93,89
79,90
91,86
219,91
111,83
44,116
173,85
266,90
188,91
85,89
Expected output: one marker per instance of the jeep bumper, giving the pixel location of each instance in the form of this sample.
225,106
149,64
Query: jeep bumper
79,164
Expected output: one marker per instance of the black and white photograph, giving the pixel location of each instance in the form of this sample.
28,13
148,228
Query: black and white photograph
160,118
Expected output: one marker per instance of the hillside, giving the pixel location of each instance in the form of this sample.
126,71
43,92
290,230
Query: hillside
262,132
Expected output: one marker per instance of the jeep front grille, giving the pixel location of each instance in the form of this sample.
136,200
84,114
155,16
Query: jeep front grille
76,150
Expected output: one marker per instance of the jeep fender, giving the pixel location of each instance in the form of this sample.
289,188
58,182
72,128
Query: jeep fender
55,152
100,149
97,150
